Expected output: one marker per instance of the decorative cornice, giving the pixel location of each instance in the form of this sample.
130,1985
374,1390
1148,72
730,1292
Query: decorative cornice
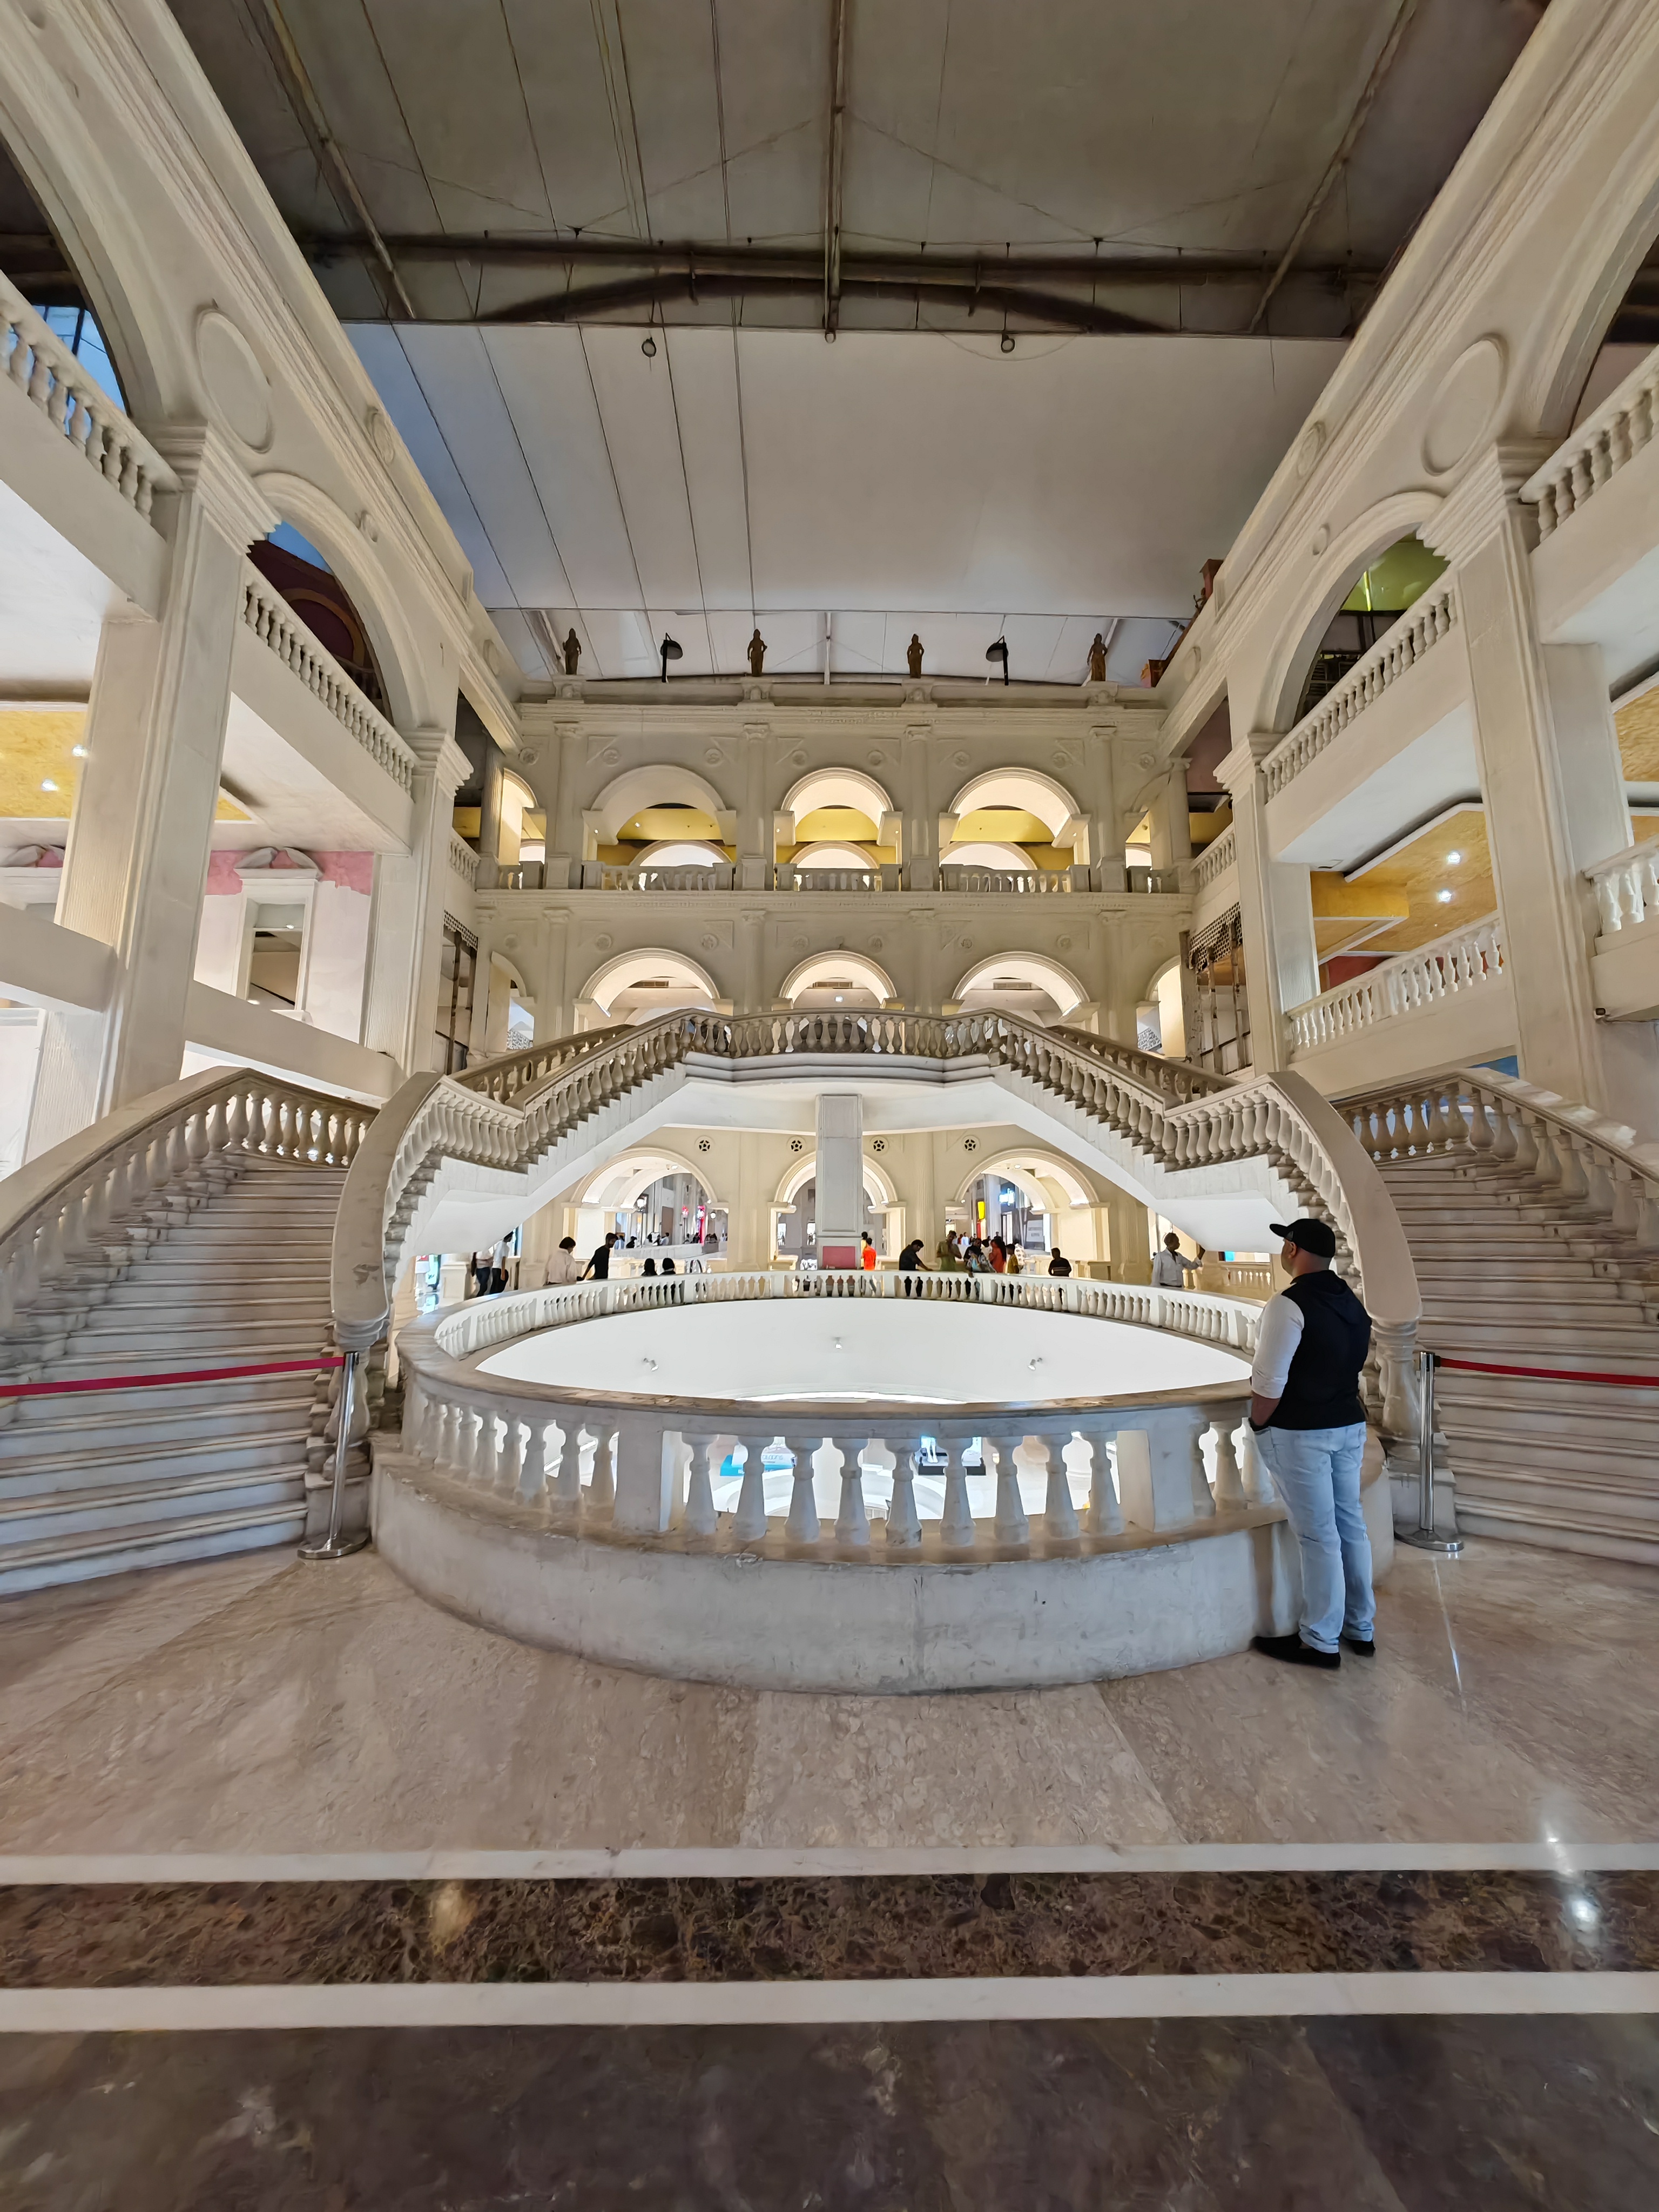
439,755
1237,771
209,472
1484,499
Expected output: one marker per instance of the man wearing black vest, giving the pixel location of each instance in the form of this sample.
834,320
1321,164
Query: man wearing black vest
1310,1432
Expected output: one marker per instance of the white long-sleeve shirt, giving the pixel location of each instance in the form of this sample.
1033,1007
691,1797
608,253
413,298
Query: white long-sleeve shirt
1279,1334
1170,1271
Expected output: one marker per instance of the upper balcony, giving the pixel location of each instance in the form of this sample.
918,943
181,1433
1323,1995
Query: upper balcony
1110,878
1595,568
1393,741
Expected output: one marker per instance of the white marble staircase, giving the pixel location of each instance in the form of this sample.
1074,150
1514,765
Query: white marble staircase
1523,1262
222,1262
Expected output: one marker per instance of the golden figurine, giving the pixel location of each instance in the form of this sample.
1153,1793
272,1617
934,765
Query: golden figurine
913,654
1098,660
756,653
573,653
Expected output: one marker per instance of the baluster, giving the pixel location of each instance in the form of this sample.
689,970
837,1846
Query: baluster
749,1523
1058,1514
853,1520
699,1518
566,1486
1105,1517
903,1523
602,1482
956,1527
802,1525
1229,1480
1011,1525
510,1464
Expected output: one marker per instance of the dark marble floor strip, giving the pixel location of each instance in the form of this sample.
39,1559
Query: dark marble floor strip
852,1928
1455,2114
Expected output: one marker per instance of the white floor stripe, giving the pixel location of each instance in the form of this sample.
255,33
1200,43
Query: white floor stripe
1559,1858
683,2004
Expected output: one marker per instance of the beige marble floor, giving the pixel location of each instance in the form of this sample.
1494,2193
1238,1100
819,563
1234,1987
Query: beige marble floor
260,1704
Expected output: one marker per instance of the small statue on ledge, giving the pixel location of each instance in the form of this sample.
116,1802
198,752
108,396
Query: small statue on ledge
1098,660
757,652
573,653
913,653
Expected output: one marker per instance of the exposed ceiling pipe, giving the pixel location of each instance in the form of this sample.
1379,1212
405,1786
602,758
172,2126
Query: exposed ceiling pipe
278,42
1337,162
836,149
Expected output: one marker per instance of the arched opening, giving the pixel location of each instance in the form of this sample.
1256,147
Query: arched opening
655,805
296,568
832,856
683,854
1022,983
637,986
794,1212
838,979
1383,586
843,791
659,1205
1012,812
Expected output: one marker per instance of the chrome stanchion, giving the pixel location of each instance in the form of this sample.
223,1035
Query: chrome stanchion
1423,1538
335,1545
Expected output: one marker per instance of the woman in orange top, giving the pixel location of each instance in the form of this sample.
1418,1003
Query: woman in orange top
867,1257
998,1256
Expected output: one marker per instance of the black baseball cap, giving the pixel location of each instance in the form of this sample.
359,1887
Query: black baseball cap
1308,1236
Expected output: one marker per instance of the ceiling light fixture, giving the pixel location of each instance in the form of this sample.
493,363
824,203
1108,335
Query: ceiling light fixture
49,785
998,652
79,751
1444,897
672,650
1454,860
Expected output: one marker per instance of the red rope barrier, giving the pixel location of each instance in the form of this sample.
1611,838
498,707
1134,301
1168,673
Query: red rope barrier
1552,1374
162,1381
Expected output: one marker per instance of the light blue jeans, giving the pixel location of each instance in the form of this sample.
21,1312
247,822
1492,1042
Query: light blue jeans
1317,1474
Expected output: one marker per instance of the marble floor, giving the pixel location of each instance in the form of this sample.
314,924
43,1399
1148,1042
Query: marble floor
259,1705
1408,2115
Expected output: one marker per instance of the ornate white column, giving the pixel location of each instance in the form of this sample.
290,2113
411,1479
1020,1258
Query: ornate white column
406,931
753,920
756,847
1554,785
921,822
138,845
1172,841
840,1177
1275,906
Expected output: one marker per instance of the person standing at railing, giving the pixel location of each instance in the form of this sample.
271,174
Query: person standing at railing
598,1268
564,1266
867,1255
1057,1262
1309,1428
1171,1267
910,1263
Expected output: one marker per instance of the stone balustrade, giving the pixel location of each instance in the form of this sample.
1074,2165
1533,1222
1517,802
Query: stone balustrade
1214,862
1416,633
642,1467
70,1219
1013,882
268,615
1462,961
1626,888
791,878
602,876
1592,1164
785,875
45,370
463,861
1621,426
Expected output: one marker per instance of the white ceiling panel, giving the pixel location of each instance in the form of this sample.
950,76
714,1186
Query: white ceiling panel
705,393
460,385
560,440
637,402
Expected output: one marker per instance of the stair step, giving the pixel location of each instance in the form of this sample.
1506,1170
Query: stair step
240,1395
94,1464
100,1513
56,1559
159,1420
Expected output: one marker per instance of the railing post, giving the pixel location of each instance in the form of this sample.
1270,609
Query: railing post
1423,1538
338,1543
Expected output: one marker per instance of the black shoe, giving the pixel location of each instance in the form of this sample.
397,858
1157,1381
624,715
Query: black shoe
1294,1650
1364,1645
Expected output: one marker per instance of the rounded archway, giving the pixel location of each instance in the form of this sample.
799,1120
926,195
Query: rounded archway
636,986
838,789
838,979
831,856
1024,983
1018,790
1325,635
1010,860
688,854
794,1214
640,790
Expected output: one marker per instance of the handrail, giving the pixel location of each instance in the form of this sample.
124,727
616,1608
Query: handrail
51,378
1596,450
1178,1117
268,615
1214,862
63,1213
463,860
1571,1149
1626,886
1416,633
1460,961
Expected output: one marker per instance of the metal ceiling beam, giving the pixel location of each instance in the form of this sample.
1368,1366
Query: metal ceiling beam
835,149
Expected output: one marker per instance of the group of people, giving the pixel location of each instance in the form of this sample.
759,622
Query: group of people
957,1253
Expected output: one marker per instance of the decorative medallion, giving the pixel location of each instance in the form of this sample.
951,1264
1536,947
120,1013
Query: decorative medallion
961,760
970,1143
385,444
703,1144
709,944
527,755
1308,452
1064,944
602,943
796,1145
1464,405
878,1145
714,757
237,386
1321,539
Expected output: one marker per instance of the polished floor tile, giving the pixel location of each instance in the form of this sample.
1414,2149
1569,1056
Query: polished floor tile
264,1704
1405,2115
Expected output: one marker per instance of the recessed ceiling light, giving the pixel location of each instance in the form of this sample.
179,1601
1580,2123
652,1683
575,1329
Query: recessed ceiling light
49,785
79,751
1454,860
1444,898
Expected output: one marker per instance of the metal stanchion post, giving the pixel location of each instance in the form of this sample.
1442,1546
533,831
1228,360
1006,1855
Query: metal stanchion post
335,1545
1423,1538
